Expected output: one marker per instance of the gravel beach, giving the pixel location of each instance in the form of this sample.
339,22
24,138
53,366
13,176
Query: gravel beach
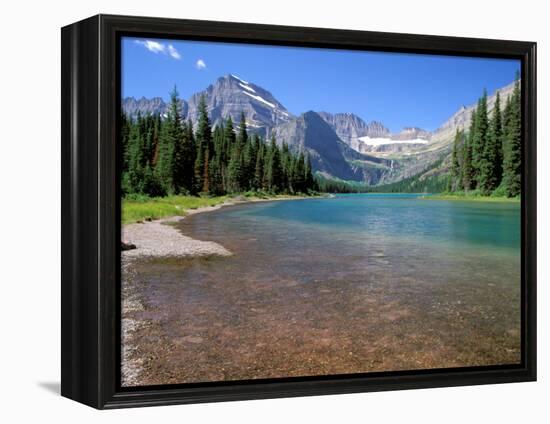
160,239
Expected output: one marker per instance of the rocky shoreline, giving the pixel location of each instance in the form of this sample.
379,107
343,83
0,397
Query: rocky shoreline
161,239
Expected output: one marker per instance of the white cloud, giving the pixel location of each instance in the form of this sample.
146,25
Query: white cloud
173,52
156,47
200,64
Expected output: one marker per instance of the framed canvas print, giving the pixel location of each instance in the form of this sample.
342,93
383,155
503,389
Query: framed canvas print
253,211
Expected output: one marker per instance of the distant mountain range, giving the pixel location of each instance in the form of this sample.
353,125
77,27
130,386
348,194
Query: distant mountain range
340,145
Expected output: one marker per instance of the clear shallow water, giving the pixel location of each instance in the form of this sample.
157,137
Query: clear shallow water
351,284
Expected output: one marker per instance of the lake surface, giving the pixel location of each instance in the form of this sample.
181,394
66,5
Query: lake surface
350,284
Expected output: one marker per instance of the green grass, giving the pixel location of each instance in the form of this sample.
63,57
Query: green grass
474,196
141,208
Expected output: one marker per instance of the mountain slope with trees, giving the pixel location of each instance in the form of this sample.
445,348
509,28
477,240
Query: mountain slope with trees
488,157
172,156
328,139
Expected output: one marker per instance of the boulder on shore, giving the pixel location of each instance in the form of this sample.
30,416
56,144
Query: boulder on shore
127,246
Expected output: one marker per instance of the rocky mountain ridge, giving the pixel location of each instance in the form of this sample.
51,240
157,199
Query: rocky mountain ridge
341,145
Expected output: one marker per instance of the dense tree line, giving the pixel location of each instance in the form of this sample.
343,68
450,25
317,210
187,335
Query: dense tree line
168,156
415,184
330,185
488,157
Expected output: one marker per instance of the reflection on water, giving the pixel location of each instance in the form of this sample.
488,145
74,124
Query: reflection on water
327,286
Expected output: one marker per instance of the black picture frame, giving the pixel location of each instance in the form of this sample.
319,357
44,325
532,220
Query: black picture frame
91,210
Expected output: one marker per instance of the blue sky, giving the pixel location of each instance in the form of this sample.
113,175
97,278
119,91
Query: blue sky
397,89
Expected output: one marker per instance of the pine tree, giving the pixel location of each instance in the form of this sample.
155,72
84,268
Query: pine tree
216,180
242,138
206,172
467,174
287,165
198,170
181,148
273,169
480,137
151,183
136,157
169,151
298,174
259,167
125,125
229,137
228,145
511,178
154,152
234,170
218,141
309,179
454,180
203,141
491,166
248,164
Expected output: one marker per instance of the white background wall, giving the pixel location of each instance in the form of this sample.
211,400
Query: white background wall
30,197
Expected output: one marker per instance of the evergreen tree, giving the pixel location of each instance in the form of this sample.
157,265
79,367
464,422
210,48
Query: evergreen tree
206,172
198,170
273,169
467,171
181,148
136,157
248,164
219,161
235,170
259,167
511,178
309,179
203,141
229,137
298,174
242,138
125,125
287,165
216,180
151,183
455,179
154,151
170,148
491,165
218,141
480,137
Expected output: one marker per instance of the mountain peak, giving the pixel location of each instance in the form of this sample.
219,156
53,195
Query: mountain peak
232,95
311,115
235,77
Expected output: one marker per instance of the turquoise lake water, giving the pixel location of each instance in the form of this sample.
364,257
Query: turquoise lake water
354,283
491,224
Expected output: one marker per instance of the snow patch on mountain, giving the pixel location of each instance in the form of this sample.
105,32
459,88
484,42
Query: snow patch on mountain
246,87
237,78
260,99
379,141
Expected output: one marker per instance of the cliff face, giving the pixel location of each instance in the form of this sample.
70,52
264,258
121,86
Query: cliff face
230,96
